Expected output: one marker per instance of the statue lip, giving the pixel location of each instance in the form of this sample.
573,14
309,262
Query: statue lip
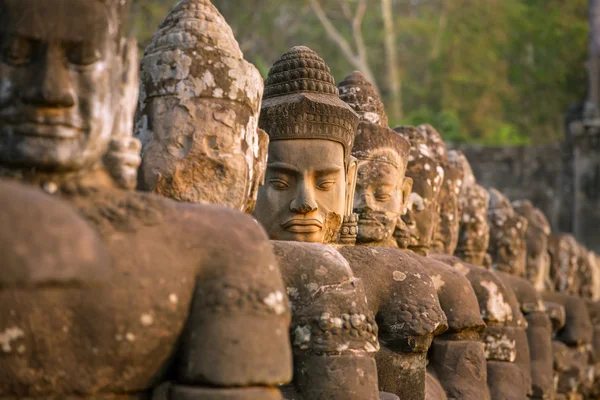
302,225
45,129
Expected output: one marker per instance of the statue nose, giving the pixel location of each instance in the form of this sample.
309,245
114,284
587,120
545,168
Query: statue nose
304,208
304,202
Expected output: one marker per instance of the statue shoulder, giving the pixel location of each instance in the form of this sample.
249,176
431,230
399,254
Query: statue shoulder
44,240
457,296
409,305
529,299
322,263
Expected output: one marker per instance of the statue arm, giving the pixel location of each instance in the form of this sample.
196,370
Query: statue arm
236,335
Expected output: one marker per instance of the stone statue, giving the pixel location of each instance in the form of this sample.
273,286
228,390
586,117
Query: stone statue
307,196
400,291
508,252
461,347
538,232
564,257
197,114
575,337
538,273
445,235
497,302
474,231
107,292
507,246
123,157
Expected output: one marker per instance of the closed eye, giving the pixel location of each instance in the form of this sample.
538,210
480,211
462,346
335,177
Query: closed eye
326,185
278,184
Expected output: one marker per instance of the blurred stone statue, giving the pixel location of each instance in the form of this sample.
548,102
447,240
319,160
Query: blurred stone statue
107,292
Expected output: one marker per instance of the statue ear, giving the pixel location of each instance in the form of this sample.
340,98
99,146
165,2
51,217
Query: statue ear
258,170
351,173
405,189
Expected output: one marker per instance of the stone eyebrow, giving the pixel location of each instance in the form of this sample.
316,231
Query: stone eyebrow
328,169
284,168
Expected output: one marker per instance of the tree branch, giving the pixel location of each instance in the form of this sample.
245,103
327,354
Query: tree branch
358,62
333,33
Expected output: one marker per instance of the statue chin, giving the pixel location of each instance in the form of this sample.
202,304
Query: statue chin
369,234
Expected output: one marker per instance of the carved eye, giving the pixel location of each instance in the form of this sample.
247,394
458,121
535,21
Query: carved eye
16,50
279,184
325,185
383,197
82,54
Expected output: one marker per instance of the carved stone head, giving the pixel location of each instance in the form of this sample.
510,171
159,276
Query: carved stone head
311,175
382,190
587,274
422,213
538,232
198,111
473,201
123,157
60,71
564,257
434,142
507,247
445,236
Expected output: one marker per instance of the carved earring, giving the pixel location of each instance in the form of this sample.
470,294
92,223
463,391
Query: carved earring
349,230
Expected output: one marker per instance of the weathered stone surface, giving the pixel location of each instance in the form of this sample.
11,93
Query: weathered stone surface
564,258
330,317
507,246
538,233
123,157
508,381
578,327
473,200
463,364
148,284
198,111
434,391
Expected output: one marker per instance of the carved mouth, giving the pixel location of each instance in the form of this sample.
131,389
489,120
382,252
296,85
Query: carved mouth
301,225
45,130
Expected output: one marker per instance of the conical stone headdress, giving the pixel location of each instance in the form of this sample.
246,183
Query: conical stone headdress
194,54
361,95
301,101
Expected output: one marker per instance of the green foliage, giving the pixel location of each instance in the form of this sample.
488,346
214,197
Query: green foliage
499,72
445,121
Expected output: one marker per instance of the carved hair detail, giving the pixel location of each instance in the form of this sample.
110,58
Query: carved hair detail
361,95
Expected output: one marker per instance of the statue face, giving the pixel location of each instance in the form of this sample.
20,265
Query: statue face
303,198
57,82
474,234
380,197
507,245
422,213
445,236
538,259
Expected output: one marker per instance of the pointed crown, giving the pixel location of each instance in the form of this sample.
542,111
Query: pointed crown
301,101
361,95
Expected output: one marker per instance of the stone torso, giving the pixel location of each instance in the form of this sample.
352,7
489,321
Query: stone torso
113,327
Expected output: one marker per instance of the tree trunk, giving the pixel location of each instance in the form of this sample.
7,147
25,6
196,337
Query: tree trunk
393,77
